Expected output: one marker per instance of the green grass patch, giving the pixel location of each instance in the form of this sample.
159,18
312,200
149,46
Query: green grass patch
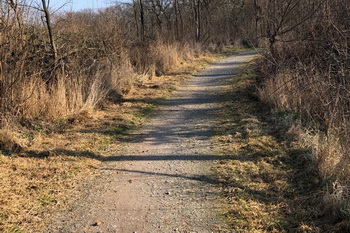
120,129
46,199
147,109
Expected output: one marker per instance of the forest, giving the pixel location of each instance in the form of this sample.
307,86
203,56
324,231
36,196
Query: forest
54,64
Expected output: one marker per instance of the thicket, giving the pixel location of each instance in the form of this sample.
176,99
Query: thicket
55,63
306,71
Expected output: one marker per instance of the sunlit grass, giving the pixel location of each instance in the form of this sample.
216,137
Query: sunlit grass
262,194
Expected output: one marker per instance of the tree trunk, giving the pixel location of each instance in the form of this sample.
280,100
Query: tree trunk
142,15
14,6
197,16
176,9
136,18
49,29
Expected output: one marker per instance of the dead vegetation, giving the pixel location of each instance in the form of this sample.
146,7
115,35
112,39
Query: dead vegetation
72,84
306,71
271,183
43,165
59,72
61,63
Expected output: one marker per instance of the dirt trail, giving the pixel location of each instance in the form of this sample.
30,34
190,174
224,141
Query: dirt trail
162,181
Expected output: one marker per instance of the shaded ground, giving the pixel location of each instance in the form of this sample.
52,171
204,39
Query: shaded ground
163,181
271,181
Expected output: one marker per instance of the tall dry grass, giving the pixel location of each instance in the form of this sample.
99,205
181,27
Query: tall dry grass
311,78
162,57
33,85
96,59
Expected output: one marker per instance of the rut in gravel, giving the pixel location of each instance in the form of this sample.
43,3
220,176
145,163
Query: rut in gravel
162,181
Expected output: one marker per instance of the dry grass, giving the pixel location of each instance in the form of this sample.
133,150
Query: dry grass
97,56
30,185
271,184
59,157
320,104
159,58
9,142
313,99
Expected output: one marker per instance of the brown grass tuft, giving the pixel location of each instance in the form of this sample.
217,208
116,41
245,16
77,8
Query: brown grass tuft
9,143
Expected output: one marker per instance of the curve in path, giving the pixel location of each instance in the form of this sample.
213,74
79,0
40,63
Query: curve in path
162,182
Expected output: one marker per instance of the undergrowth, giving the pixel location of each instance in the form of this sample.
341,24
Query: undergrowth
271,182
43,165
306,72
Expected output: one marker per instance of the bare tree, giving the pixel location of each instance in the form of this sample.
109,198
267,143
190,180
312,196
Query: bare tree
142,19
46,11
196,6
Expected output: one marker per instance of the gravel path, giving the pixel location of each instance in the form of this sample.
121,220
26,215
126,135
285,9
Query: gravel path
163,181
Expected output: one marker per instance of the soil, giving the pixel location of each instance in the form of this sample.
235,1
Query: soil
162,179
